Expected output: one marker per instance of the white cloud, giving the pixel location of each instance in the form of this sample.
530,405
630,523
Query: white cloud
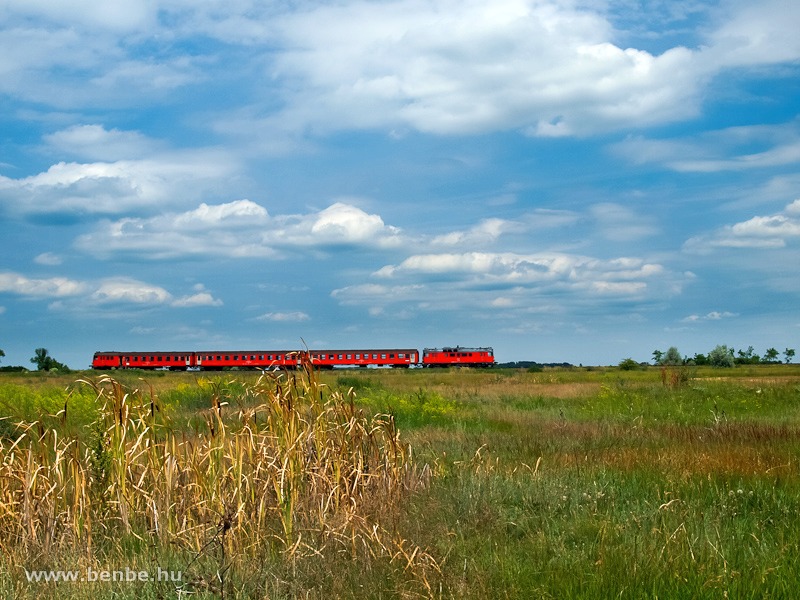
49,259
712,316
764,232
129,290
51,287
117,15
285,317
756,34
94,142
473,66
485,232
198,299
346,224
512,282
729,149
114,187
239,229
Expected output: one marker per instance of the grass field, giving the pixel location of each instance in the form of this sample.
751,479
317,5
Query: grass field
566,483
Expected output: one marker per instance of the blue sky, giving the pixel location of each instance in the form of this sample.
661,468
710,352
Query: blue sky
563,181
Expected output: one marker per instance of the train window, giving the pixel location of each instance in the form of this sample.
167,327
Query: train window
383,356
391,356
374,356
340,357
358,357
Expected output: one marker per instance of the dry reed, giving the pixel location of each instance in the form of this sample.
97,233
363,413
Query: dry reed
288,468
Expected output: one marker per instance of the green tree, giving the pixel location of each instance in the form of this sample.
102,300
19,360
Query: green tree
721,356
788,353
747,357
45,362
2,354
628,364
671,357
771,355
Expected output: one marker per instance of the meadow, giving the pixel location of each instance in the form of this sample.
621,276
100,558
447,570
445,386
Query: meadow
564,483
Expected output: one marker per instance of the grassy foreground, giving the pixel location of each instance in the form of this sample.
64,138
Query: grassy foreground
389,484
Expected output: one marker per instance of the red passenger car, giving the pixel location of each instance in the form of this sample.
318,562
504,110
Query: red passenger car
458,357
212,360
395,357
174,361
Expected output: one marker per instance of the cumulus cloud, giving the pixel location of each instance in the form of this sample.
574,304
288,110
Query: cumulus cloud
511,269
198,299
285,317
712,316
51,287
447,67
105,291
109,188
513,283
241,228
759,232
129,291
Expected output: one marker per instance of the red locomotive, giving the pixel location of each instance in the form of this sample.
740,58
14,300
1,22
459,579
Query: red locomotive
214,360
458,356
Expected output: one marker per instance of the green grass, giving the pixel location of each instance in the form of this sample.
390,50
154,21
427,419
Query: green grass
577,483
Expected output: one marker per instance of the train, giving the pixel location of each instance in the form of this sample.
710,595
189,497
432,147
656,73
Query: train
217,360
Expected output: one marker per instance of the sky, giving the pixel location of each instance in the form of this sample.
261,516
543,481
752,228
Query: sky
580,181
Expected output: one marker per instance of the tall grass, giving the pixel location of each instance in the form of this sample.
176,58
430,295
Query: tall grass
560,484
286,470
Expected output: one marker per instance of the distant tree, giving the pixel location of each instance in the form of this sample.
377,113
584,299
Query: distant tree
628,364
747,357
671,357
788,353
771,355
657,356
45,362
700,359
721,356
2,354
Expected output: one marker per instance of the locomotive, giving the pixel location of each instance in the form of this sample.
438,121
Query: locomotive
214,360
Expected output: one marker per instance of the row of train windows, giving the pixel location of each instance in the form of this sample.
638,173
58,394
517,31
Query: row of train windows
358,356
156,358
243,357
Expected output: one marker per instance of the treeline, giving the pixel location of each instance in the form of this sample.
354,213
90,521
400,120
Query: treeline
723,356
42,360
532,366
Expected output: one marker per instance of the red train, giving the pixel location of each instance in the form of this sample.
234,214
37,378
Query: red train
214,360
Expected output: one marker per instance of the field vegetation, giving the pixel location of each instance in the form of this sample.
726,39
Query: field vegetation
557,483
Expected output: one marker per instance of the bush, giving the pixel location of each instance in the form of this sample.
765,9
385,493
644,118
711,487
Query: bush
721,356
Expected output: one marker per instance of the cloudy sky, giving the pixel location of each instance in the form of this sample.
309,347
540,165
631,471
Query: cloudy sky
577,181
